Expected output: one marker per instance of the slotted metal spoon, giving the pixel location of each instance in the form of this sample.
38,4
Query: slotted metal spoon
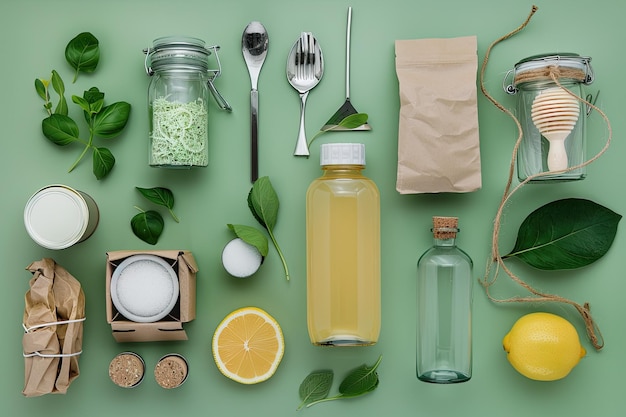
305,67
346,109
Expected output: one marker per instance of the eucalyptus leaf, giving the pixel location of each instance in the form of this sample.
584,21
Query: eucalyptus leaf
315,386
161,196
147,226
83,53
252,236
110,120
60,129
565,234
103,162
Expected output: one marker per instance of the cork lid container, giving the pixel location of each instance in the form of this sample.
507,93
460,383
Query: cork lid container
445,227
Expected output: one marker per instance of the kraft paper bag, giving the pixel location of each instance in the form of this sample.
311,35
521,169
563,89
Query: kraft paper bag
53,329
438,142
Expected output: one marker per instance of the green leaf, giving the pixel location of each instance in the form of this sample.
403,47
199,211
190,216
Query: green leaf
161,196
252,236
103,161
315,387
93,94
147,226
352,121
84,104
360,380
111,120
41,89
60,129
83,53
263,203
565,234
59,88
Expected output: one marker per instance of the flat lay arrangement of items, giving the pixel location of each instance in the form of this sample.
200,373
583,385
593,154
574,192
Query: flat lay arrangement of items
150,295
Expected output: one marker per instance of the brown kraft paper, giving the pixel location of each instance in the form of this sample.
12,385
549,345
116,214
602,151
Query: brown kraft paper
52,342
438,142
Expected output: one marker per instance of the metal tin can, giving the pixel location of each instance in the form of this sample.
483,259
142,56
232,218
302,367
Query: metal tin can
178,98
552,113
58,216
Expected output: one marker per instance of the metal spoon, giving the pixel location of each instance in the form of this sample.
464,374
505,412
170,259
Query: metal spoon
254,42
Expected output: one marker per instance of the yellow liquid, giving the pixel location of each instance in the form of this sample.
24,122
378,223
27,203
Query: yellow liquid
343,259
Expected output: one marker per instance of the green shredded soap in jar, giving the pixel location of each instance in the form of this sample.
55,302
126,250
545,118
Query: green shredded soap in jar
178,97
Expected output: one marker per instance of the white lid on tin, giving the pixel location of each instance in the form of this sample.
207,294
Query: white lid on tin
342,154
56,217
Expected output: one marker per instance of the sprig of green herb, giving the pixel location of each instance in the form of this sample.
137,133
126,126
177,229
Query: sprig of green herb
161,196
349,122
102,121
263,203
147,225
316,386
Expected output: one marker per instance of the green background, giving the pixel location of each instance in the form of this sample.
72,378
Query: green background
34,35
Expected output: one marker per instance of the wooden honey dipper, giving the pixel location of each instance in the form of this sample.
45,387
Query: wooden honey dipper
555,112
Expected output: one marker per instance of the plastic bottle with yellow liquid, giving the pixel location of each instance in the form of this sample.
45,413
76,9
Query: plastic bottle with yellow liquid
343,250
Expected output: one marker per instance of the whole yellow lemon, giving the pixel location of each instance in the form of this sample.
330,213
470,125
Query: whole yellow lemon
543,346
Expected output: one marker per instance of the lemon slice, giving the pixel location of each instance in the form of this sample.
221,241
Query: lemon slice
248,345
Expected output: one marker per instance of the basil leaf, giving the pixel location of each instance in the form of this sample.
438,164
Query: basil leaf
264,202
161,196
361,380
41,90
565,234
60,129
315,386
93,94
84,104
147,226
103,161
251,236
83,53
110,120
59,87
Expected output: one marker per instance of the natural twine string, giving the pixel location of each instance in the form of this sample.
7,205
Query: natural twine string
593,332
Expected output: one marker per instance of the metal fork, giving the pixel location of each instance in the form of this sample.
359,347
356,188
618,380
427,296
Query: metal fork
305,67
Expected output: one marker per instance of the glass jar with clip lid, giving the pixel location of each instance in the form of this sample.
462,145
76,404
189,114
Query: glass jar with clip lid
178,100
552,112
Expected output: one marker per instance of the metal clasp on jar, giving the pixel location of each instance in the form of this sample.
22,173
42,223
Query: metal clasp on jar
212,75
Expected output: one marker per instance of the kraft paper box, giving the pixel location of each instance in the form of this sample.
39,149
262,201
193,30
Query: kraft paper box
170,327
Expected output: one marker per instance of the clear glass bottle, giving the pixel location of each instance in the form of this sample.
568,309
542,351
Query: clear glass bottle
343,250
555,138
444,308
178,102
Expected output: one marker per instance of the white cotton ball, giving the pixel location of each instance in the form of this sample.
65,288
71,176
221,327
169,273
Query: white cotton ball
241,259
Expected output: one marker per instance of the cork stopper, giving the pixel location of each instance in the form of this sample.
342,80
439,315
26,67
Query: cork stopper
445,227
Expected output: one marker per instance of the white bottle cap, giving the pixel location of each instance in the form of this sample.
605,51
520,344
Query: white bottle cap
342,154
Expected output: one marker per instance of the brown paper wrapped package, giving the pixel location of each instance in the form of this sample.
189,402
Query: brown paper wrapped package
438,143
54,296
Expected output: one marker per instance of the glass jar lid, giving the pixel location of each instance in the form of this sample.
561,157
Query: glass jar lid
179,52
538,68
